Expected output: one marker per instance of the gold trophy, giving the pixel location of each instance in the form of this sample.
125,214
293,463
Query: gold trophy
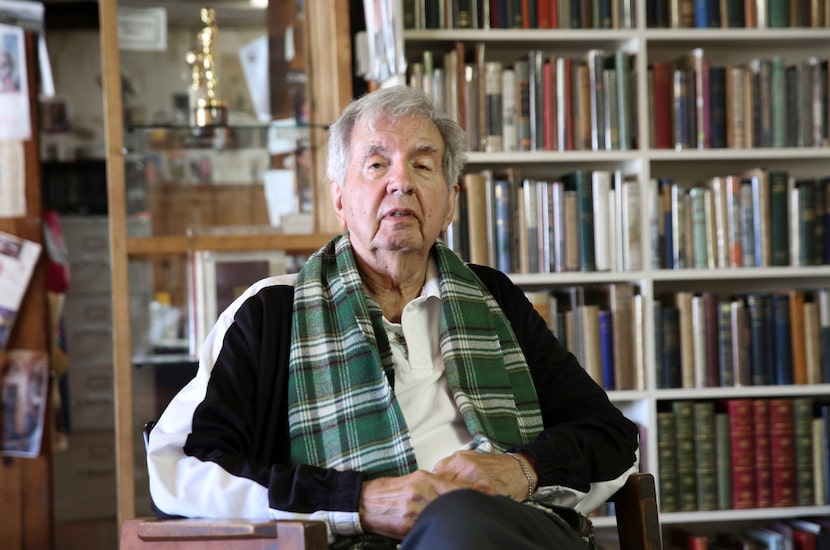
205,108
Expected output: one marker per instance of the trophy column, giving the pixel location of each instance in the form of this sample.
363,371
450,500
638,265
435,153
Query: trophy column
205,108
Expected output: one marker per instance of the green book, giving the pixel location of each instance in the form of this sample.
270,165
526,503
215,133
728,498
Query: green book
580,182
684,436
807,237
778,101
723,460
705,455
778,13
778,222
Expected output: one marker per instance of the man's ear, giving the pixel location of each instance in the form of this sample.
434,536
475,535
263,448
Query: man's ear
453,198
337,200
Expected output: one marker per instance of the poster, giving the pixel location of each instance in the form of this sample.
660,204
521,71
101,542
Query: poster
17,262
15,121
12,180
24,384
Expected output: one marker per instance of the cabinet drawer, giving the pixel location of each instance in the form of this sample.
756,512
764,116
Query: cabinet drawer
91,398
92,276
84,477
90,311
84,345
86,238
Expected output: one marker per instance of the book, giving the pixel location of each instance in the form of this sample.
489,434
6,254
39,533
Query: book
769,539
580,182
798,344
18,258
478,228
782,451
723,460
803,450
782,339
705,455
669,360
763,458
742,446
24,381
660,84
667,458
778,220
684,435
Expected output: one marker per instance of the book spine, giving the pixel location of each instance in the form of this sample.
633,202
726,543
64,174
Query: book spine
763,458
782,452
779,225
685,449
803,451
667,458
782,344
742,444
705,455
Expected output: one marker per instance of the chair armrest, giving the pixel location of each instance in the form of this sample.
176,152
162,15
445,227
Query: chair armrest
207,533
638,523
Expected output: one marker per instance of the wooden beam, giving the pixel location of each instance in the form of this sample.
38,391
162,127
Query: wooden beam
329,63
144,247
116,185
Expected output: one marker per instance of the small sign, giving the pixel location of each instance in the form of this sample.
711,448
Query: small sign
142,29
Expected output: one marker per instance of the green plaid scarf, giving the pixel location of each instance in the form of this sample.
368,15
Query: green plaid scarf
341,405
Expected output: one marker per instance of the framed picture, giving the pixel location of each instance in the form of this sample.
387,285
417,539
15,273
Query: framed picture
24,382
217,278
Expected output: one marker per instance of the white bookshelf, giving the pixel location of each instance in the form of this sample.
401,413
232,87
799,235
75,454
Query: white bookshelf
722,47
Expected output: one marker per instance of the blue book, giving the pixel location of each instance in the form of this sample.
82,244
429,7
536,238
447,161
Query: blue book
670,373
771,540
702,14
714,14
606,347
760,343
717,107
503,202
782,341
823,298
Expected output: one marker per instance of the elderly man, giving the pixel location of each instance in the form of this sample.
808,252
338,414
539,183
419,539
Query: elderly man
389,389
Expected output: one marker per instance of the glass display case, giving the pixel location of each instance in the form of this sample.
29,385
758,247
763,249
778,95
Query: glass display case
212,144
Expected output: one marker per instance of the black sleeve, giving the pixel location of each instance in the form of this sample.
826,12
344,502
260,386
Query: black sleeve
586,438
242,423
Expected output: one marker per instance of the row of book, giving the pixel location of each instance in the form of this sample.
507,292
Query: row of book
750,14
758,218
743,453
602,325
805,533
539,102
586,220
519,14
768,102
777,338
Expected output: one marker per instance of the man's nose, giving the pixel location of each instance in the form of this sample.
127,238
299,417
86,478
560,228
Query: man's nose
400,179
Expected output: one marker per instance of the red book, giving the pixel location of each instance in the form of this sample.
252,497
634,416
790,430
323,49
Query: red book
688,540
549,104
782,452
554,13
543,14
803,540
661,95
763,471
742,447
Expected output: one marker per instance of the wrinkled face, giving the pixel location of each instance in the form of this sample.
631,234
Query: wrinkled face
395,197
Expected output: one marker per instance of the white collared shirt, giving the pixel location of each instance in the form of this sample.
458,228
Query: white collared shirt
435,423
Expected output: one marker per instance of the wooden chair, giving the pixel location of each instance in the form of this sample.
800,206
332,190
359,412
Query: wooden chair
638,528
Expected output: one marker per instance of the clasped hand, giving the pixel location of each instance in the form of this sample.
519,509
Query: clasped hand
390,505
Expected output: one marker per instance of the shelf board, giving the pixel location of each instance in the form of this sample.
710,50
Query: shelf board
729,392
682,518
550,157
520,36
757,154
143,247
791,36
